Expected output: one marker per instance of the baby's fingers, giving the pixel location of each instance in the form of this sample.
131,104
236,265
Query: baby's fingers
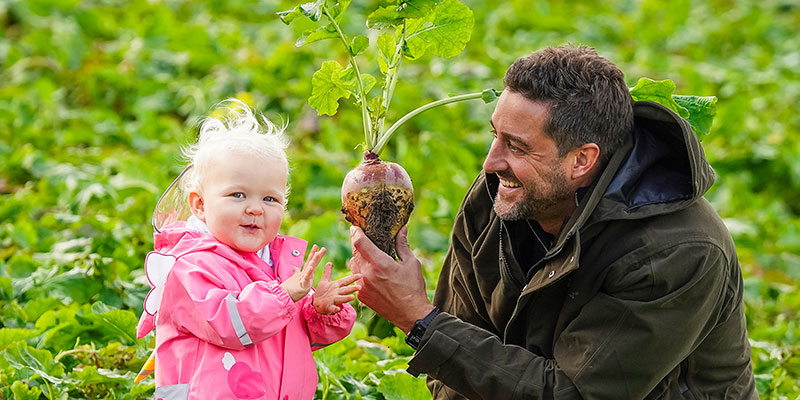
327,271
315,256
343,299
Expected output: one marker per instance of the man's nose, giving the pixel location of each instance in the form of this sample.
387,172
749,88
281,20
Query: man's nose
494,161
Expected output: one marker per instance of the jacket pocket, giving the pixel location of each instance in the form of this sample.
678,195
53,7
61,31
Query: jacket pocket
172,392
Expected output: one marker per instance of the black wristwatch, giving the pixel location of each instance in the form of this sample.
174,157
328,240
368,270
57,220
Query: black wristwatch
420,326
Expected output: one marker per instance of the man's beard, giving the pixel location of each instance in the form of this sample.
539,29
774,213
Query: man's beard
537,202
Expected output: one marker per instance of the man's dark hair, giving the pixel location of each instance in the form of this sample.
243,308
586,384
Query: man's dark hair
586,94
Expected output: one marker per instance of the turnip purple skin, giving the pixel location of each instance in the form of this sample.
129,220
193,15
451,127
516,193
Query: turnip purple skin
378,197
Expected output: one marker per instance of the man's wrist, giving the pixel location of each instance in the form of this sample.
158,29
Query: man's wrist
414,336
415,316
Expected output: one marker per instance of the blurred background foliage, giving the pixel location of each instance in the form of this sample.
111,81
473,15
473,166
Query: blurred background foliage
97,96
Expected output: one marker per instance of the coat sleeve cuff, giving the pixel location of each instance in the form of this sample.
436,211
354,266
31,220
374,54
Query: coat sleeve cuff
434,350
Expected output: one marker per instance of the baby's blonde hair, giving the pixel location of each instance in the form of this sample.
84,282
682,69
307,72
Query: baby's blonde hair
240,131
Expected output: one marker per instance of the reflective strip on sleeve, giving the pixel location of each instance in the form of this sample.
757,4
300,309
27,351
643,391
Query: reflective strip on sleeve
172,392
236,321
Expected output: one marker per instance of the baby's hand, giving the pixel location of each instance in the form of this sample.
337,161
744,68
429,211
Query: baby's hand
302,280
330,294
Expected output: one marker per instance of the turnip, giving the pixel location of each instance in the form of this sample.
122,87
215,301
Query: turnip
377,195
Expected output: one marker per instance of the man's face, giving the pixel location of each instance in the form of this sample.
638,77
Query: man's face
242,200
533,181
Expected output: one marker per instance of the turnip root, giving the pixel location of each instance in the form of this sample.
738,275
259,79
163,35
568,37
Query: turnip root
378,197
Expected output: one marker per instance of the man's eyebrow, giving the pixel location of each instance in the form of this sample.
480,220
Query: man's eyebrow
511,137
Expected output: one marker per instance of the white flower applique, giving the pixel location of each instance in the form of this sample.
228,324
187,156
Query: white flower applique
157,267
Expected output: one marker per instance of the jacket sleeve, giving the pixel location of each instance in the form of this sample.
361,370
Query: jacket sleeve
196,300
326,329
620,345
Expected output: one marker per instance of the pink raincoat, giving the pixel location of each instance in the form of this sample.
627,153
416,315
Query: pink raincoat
227,330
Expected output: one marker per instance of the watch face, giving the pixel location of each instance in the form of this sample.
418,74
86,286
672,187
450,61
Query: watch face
415,336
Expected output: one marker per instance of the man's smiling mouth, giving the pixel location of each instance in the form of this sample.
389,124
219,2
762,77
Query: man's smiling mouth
509,183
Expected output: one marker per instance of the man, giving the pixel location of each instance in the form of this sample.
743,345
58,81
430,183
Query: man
584,261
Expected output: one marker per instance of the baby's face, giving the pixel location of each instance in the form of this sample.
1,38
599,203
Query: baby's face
243,198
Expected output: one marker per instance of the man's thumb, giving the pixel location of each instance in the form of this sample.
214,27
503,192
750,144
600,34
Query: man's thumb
401,243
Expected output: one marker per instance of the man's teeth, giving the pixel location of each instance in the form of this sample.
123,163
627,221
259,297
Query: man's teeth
509,183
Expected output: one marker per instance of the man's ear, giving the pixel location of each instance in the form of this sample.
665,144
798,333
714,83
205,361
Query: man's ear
197,205
584,161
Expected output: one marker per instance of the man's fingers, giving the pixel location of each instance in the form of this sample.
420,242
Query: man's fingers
348,279
365,248
355,268
349,289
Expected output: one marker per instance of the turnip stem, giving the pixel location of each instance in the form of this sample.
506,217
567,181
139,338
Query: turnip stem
390,81
384,138
362,98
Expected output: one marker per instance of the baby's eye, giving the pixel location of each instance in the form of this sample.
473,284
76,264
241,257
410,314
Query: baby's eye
269,199
237,195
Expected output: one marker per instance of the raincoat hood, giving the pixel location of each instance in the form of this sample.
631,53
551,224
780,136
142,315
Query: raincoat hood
664,168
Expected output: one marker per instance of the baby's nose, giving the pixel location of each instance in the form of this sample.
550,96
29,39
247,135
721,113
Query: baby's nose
254,210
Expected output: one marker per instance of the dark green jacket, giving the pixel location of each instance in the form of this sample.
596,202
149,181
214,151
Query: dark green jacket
640,296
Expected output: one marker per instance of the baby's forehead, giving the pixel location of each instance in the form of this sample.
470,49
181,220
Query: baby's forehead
224,155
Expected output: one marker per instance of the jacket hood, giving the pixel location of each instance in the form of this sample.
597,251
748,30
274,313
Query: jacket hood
663,168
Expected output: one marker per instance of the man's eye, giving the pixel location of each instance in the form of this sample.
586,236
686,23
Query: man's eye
514,149
237,195
493,132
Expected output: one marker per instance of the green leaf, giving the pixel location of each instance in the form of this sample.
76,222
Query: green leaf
11,335
384,17
387,44
698,110
328,86
659,92
402,386
6,288
123,321
312,11
36,307
315,35
73,285
376,108
92,375
702,110
22,391
359,44
443,32
337,9
23,357
416,8
369,82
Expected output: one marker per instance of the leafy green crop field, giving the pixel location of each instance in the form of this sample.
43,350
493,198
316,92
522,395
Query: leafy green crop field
97,96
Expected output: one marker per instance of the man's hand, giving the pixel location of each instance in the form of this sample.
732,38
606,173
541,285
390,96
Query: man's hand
395,290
